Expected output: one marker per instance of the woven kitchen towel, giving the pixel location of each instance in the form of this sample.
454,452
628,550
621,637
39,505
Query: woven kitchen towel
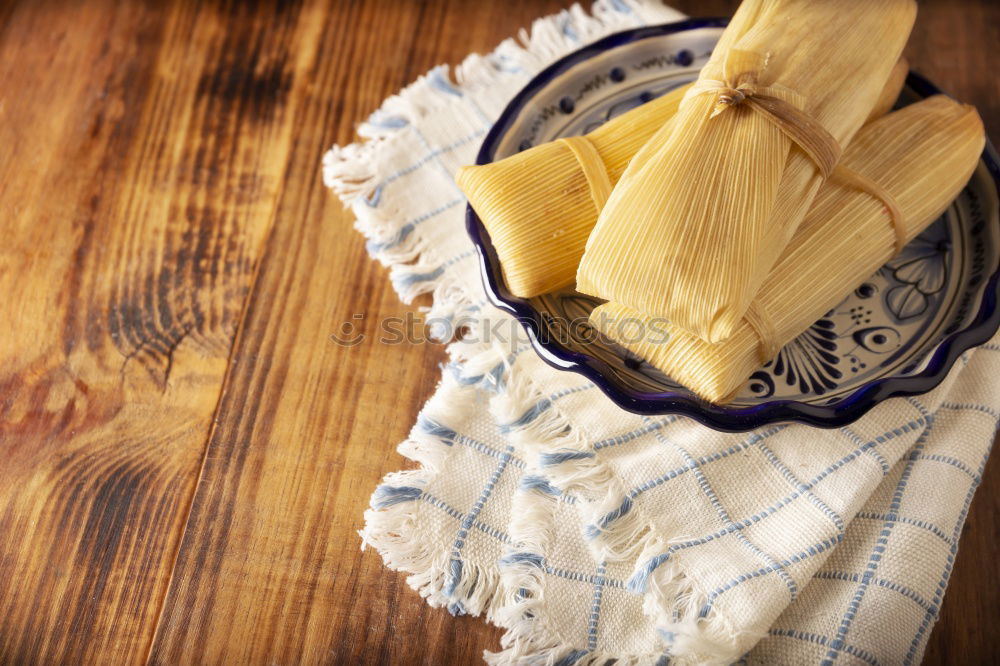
592,533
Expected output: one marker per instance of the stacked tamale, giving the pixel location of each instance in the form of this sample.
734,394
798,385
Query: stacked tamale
922,155
537,205
737,210
709,202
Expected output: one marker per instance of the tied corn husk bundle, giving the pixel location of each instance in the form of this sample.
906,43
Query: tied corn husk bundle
538,205
711,200
921,156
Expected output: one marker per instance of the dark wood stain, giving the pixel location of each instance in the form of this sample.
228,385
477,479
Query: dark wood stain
110,390
184,456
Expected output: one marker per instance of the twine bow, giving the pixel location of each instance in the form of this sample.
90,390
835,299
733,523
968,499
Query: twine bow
728,96
742,88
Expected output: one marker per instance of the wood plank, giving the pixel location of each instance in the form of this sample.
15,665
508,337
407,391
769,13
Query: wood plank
143,147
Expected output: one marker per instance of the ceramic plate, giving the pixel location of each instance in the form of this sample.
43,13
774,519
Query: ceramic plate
897,334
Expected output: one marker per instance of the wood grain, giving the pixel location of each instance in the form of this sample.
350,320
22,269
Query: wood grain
141,161
185,454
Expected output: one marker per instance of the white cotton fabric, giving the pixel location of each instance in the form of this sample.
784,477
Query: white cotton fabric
592,533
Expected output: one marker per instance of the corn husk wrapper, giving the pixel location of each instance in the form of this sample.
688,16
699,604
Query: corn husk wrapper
538,209
538,206
922,155
708,204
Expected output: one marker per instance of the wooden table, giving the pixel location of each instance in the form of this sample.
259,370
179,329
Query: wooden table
185,454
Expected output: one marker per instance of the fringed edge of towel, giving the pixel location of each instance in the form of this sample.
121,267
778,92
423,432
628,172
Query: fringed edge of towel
391,522
529,638
678,608
692,630
523,615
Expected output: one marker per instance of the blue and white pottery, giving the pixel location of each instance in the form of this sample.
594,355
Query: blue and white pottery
898,334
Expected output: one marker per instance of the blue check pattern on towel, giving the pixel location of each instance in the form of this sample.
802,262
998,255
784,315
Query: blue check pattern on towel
591,533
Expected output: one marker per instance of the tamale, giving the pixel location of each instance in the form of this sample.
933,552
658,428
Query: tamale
709,203
537,205
538,209
921,155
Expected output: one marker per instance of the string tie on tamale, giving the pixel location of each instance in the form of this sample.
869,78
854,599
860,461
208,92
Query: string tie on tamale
760,322
594,170
742,88
865,184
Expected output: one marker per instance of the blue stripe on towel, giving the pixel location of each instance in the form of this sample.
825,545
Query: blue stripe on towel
386,496
559,457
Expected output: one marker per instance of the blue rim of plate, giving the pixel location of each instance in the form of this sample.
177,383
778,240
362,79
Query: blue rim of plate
720,417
